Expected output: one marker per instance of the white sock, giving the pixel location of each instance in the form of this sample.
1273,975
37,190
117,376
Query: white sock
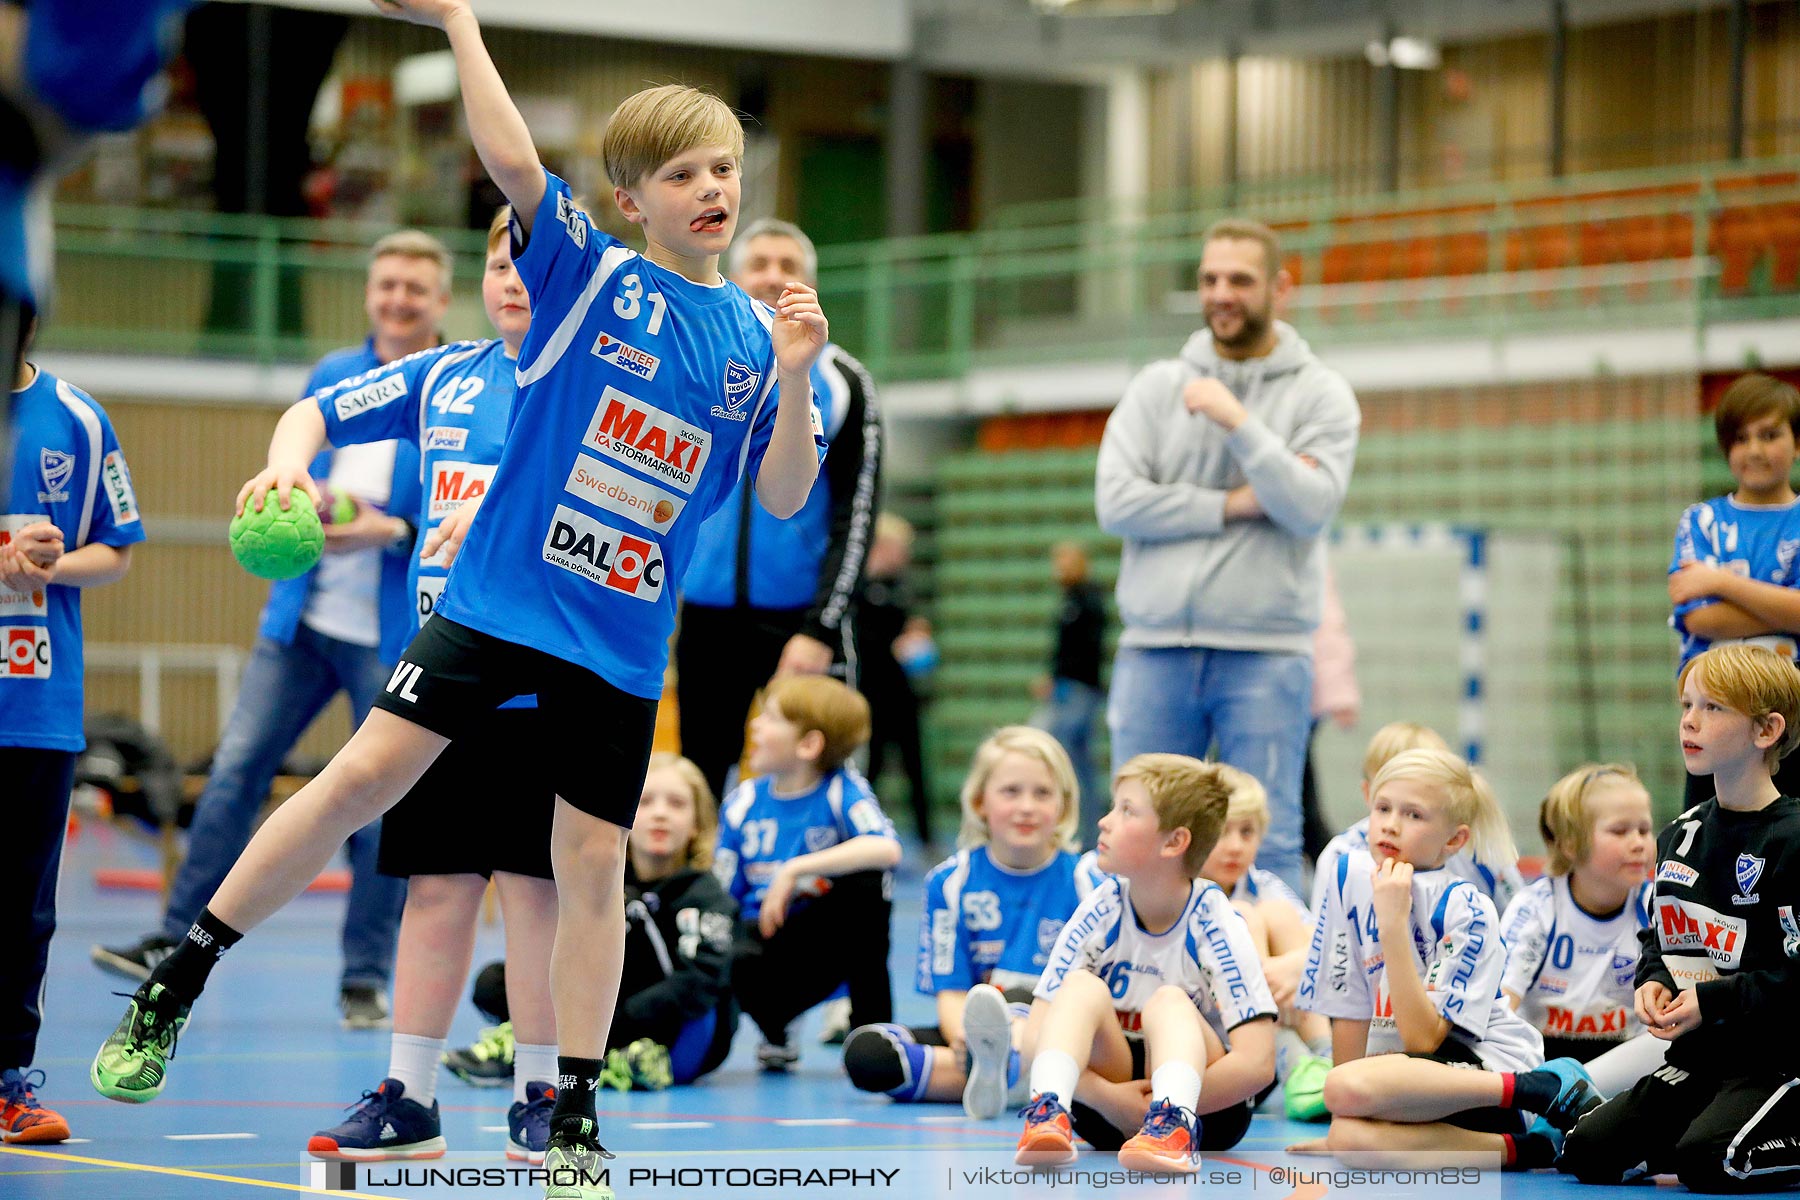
1178,1083
413,1060
1055,1072
532,1064
1290,1048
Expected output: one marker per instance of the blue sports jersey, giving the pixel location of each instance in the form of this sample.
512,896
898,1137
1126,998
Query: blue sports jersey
288,598
782,564
643,397
1757,541
67,469
454,403
985,923
758,830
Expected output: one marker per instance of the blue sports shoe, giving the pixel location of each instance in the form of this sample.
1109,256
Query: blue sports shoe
386,1125
528,1124
1577,1097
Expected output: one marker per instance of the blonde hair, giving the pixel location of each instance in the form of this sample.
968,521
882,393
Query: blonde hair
1038,746
698,853
498,228
825,705
1564,818
1186,794
416,243
1755,682
1249,799
1396,737
893,525
1468,800
652,126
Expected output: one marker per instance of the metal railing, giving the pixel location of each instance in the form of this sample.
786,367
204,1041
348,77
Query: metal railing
1707,243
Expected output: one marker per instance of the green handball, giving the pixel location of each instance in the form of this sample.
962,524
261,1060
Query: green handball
277,544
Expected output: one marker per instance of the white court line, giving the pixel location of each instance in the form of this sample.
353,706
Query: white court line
76,1142
208,1137
495,1129
798,1121
944,1120
671,1124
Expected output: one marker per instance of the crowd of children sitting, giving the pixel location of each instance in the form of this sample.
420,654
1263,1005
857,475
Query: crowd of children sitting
1148,996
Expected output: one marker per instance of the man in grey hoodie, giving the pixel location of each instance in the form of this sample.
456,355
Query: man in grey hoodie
1221,469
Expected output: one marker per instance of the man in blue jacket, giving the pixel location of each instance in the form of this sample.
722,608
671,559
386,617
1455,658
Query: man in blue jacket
330,630
764,597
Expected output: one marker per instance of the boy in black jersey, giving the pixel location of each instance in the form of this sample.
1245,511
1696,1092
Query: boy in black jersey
1718,978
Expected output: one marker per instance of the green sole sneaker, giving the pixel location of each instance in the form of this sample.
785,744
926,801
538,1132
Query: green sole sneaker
133,1063
574,1170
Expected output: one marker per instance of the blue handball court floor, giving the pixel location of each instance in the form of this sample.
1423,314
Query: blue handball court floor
265,1064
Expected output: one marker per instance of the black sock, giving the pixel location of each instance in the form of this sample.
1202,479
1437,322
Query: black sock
1533,1091
184,972
577,1079
1532,1151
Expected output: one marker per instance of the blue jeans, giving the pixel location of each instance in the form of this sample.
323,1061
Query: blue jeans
1255,707
283,689
1069,718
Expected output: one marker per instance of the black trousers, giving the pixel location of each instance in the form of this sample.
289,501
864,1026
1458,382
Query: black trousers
1718,1135
37,786
723,657
894,726
840,937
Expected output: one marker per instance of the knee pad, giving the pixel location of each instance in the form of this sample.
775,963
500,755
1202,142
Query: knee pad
885,1058
490,992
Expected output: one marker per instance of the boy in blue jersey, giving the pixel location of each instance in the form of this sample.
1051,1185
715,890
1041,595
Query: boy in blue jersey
1733,577
68,523
647,367
804,849
455,401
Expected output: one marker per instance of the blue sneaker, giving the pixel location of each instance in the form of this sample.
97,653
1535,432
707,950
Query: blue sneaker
1577,1097
386,1125
528,1124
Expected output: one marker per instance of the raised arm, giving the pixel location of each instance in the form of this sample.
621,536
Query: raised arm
495,126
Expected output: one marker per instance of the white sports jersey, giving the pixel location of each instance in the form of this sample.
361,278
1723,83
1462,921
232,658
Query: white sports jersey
1500,882
1206,953
1258,885
1576,972
1457,951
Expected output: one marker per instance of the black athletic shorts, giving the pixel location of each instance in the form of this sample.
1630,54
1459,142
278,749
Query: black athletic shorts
485,805
1455,1053
1219,1130
596,738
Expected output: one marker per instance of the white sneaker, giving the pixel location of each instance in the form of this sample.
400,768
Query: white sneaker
987,1028
837,1022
